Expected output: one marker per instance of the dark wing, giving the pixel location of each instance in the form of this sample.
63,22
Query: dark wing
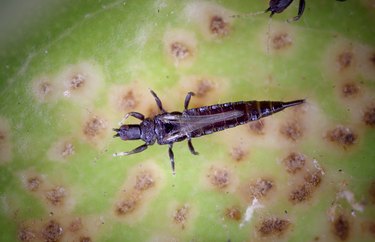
190,123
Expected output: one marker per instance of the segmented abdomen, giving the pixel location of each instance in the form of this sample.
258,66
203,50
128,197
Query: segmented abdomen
249,111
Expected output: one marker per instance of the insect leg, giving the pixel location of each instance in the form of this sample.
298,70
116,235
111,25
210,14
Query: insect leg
171,157
191,147
134,114
158,102
301,9
187,99
136,150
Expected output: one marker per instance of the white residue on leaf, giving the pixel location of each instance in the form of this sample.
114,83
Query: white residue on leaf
349,196
67,93
143,35
250,211
318,167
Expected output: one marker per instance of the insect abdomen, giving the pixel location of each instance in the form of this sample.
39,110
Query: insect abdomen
251,111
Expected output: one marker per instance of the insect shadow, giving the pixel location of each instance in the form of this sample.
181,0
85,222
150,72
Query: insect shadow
167,128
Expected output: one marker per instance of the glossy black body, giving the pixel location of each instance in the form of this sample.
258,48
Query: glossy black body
278,6
167,128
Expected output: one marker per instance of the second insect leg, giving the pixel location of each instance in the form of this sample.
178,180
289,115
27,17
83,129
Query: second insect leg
171,158
191,147
136,150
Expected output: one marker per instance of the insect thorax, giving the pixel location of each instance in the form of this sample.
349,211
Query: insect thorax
148,131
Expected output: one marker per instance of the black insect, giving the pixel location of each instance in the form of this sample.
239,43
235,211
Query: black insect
168,128
278,6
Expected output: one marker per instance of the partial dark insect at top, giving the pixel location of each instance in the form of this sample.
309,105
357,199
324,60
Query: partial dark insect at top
278,6
167,128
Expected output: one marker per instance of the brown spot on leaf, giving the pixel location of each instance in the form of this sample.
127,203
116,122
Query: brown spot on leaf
181,215
33,183
77,81
81,82
314,179
369,116
292,130
44,88
144,181
306,189
350,90
26,234
2,137
257,127
5,142
56,195
67,150
94,127
372,228
300,194
260,188
180,46
128,205
281,41
204,87
345,59
238,153
219,177
294,162
233,213
341,227
372,59
76,225
85,239
52,231
180,51
342,136
218,26
273,227
128,101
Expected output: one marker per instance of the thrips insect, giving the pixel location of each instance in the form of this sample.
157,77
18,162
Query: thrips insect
278,6
167,128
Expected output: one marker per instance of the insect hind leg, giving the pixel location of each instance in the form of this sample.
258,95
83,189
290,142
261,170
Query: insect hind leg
191,147
301,9
187,99
171,158
136,150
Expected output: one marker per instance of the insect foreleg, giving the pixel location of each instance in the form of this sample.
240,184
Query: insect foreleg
133,114
187,99
171,157
136,150
158,102
301,9
191,147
